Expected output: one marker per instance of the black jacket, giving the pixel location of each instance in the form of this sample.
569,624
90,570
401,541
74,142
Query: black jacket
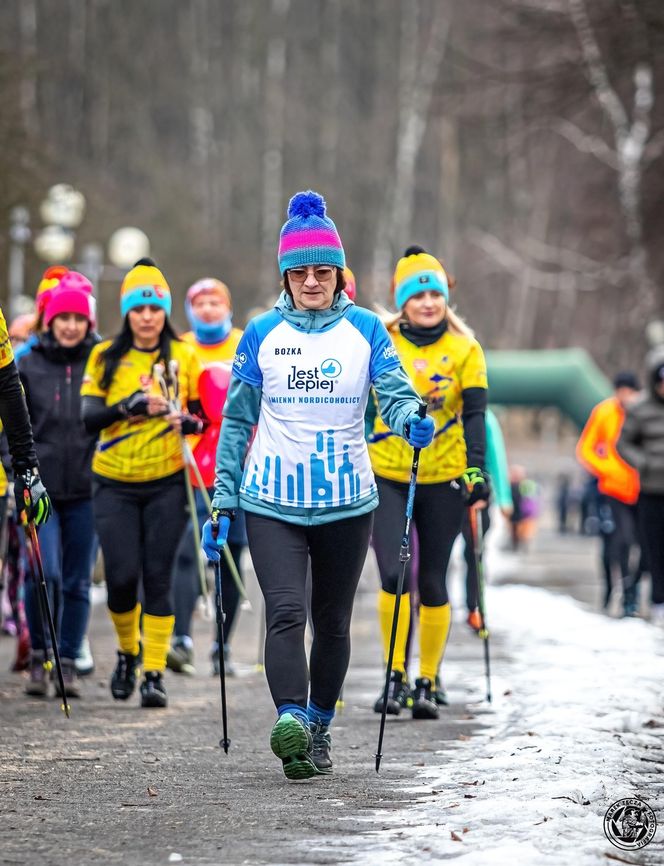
641,442
51,377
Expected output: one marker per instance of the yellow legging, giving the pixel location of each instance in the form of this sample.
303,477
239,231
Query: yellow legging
157,631
434,631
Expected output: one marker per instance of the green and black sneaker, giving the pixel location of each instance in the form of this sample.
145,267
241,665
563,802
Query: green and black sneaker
439,693
291,741
322,744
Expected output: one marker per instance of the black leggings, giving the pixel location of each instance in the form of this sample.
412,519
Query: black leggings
139,527
469,555
280,552
437,514
651,520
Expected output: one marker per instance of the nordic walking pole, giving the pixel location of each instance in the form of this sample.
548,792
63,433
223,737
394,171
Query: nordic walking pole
159,372
221,616
404,556
477,533
45,606
228,556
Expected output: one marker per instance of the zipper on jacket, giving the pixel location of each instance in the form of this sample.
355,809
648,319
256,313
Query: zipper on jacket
68,380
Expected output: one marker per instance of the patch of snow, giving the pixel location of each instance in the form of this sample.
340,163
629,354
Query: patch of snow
573,691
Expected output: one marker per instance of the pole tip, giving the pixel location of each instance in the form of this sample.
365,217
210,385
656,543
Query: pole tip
225,745
378,760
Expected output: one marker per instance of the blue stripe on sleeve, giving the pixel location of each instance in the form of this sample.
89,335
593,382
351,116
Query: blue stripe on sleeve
246,366
383,353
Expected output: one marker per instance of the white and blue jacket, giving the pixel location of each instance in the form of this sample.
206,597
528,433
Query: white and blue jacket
303,377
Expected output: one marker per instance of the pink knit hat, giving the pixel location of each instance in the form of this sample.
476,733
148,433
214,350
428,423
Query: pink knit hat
73,294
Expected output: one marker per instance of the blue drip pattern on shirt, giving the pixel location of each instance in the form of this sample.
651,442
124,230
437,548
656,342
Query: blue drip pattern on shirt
323,468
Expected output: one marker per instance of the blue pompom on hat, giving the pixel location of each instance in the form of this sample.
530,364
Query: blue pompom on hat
309,237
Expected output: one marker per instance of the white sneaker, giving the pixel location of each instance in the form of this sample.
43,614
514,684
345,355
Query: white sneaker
657,615
84,662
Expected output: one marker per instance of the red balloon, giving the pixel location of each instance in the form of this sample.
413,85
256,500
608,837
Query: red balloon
213,390
205,455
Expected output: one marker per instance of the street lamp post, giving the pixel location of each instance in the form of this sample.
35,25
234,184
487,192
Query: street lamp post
19,235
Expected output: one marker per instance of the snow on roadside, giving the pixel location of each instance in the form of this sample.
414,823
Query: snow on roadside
573,692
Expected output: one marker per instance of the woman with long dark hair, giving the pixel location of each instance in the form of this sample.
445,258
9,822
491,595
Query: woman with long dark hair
139,489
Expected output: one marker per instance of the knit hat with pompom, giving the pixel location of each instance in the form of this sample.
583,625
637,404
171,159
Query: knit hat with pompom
309,237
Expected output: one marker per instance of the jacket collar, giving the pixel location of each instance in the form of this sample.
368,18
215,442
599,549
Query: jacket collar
313,321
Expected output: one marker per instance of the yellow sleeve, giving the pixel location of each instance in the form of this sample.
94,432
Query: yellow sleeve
473,371
6,351
194,371
94,370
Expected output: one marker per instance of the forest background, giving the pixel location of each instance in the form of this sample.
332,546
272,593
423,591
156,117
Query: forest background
522,141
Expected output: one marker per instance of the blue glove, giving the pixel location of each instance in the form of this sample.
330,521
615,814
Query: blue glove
419,431
210,545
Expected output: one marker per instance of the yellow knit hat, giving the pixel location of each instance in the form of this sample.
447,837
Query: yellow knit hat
145,285
419,272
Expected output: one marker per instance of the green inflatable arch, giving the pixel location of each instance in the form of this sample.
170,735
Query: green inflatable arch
566,378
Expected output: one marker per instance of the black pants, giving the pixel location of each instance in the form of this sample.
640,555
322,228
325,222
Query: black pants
280,552
469,555
651,520
139,527
437,513
618,530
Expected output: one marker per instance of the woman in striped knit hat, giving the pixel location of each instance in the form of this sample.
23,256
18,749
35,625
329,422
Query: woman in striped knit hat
302,374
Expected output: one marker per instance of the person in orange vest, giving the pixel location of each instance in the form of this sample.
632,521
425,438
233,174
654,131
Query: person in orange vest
618,485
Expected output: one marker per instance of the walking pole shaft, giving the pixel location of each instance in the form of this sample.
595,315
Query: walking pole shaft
45,607
224,742
404,556
477,533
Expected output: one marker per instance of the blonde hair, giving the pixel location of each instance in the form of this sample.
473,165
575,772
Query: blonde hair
455,324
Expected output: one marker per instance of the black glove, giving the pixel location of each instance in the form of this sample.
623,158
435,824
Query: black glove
191,424
31,497
136,404
475,486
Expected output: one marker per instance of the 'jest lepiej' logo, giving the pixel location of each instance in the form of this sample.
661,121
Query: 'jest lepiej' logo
630,824
322,378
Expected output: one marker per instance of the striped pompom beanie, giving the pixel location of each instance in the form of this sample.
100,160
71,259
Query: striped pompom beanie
309,237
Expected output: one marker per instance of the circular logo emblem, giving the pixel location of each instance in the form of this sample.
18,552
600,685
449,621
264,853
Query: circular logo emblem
330,368
630,824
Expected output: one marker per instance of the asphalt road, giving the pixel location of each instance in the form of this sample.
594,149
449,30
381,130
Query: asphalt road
117,784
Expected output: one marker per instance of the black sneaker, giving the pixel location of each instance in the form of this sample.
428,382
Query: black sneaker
153,691
322,743
180,658
291,741
397,695
439,694
70,678
124,676
37,685
630,602
229,667
424,703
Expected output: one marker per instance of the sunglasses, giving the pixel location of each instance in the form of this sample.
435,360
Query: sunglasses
321,274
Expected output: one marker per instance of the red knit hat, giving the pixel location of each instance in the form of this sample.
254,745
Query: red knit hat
48,282
73,294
